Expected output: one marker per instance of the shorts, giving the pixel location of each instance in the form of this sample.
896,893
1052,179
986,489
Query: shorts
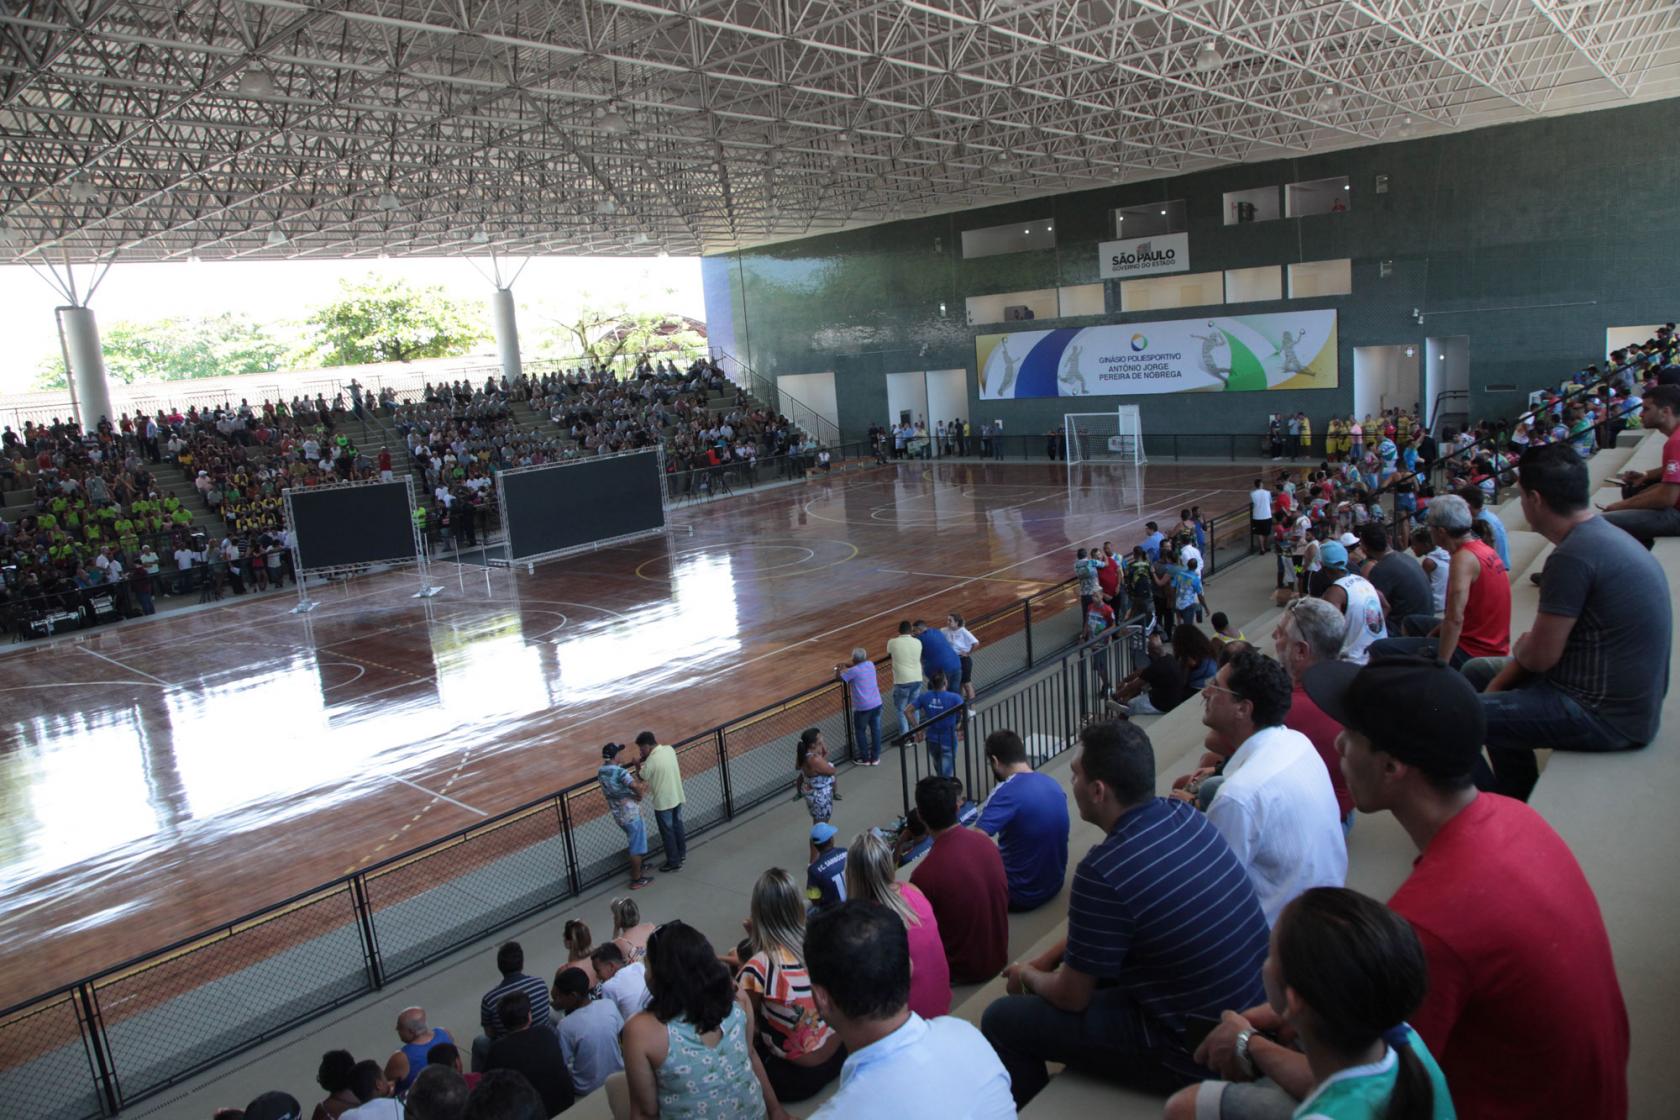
1262,526
636,832
967,668
1405,503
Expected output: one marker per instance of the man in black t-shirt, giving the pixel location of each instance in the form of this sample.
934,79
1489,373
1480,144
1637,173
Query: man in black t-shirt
1156,688
1397,575
533,1052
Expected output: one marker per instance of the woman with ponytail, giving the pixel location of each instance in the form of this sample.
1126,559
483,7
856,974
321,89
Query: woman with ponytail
1344,972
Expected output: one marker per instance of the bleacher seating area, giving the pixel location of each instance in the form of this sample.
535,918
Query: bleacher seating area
1604,805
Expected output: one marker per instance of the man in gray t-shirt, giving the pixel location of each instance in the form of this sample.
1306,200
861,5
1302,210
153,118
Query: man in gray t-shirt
1399,577
1591,674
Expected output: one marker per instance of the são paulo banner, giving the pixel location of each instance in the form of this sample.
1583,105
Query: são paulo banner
1236,353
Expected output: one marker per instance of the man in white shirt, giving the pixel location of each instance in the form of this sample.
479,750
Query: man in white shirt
623,983
184,559
1275,806
898,1064
1260,514
589,1032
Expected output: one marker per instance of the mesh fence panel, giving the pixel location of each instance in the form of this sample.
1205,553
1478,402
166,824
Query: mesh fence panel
46,1071
1003,646
601,845
1056,622
762,749
166,1020
703,803
427,906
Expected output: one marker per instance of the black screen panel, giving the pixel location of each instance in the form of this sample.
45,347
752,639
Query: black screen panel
582,502
352,525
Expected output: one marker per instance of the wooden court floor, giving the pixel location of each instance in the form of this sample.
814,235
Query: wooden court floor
161,777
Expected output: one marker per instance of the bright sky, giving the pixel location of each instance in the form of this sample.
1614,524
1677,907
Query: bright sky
274,291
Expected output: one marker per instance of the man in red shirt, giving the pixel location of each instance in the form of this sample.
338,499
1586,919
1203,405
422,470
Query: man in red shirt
1653,508
1524,1010
963,878
1477,619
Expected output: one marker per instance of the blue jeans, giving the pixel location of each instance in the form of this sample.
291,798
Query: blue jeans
867,748
1523,719
672,834
903,696
942,758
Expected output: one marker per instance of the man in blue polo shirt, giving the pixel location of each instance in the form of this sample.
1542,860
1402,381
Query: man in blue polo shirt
1163,926
1152,543
1028,814
937,654
941,733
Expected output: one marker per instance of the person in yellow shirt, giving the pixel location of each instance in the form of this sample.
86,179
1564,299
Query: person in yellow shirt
1306,435
906,653
663,774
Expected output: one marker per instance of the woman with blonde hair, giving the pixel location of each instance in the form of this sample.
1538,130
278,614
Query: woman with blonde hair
871,874
629,931
800,1052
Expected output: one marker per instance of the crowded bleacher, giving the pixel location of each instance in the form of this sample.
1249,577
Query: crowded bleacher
1213,960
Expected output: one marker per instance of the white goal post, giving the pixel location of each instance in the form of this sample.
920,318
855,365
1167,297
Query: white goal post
1112,437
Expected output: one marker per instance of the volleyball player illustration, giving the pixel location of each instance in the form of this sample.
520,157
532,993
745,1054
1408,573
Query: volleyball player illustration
1008,381
1210,364
1071,376
1291,362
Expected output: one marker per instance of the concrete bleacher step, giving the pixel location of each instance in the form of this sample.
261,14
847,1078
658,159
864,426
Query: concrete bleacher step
1602,470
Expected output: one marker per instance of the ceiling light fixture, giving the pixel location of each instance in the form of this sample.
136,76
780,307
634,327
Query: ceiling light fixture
479,237
389,201
276,237
606,206
81,190
614,121
255,82
1208,58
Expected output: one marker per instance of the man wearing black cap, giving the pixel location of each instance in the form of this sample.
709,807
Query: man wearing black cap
1524,1009
1591,673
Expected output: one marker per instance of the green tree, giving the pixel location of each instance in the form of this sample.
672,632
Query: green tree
609,333
380,320
179,348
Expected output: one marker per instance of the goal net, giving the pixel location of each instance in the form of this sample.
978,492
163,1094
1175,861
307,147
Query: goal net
1104,437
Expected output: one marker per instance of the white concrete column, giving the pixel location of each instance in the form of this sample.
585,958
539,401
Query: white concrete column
80,333
507,331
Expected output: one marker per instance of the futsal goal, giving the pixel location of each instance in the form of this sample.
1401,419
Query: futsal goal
1104,437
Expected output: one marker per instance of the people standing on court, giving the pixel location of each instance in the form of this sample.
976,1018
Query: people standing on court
905,652
1276,807
1027,812
864,692
624,792
663,774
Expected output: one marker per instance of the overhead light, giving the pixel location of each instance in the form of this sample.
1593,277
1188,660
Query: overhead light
276,237
1347,186
479,237
389,201
194,258
841,143
1208,58
663,254
606,206
1163,213
639,239
255,82
614,121
384,256
81,190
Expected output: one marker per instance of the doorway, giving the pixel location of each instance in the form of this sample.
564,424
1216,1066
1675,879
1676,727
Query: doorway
1446,382
1384,377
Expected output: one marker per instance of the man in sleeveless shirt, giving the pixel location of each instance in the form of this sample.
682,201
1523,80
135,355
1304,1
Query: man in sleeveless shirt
1477,619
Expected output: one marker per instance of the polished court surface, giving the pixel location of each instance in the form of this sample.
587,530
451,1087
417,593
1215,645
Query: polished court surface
162,777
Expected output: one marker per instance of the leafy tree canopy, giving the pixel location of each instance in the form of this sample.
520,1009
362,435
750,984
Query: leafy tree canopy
382,320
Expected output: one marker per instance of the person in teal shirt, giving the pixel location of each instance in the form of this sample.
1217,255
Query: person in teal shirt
1344,971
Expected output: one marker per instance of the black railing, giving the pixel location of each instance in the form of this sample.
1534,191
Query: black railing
125,1033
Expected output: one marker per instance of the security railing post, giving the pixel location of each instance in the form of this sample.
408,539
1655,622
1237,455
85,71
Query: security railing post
574,873
723,769
1026,611
370,938
103,1072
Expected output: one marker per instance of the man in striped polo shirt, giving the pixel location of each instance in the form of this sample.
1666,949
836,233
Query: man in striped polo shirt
510,959
1163,927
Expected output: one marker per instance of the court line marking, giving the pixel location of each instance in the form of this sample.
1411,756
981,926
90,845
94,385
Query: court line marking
438,796
953,575
127,668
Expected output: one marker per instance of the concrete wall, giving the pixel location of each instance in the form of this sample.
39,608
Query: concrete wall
1528,238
